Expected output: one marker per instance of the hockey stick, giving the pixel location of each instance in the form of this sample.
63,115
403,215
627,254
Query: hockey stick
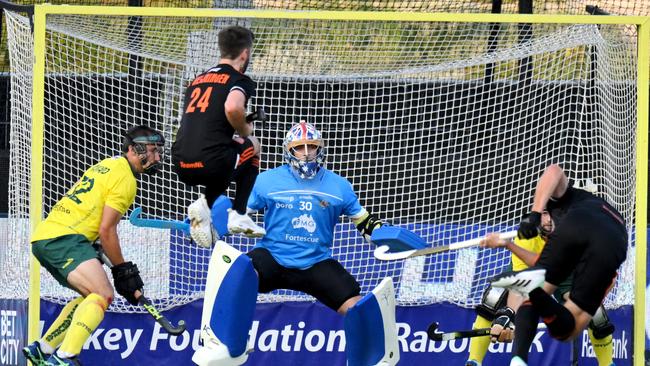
160,319
136,220
382,253
449,336
144,301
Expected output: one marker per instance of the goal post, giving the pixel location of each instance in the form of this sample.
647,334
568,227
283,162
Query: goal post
430,139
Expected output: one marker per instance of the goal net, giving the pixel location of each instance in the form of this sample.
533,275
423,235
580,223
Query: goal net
441,127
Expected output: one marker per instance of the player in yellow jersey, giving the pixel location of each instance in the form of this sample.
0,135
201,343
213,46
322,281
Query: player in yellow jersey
498,307
524,254
62,243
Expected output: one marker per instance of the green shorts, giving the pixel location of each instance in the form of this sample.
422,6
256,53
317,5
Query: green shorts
63,254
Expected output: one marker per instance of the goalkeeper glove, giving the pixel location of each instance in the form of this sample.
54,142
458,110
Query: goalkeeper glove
501,330
529,225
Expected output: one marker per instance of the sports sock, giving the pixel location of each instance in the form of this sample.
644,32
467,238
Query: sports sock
56,332
602,348
245,179
558,319
526,321
86,318
478,346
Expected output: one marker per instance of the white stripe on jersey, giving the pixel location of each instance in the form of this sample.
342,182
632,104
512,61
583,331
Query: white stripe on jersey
240,89
317,193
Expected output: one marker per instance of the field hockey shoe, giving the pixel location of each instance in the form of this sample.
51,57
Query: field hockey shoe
522,282
55,360
201,229
34,354
243,224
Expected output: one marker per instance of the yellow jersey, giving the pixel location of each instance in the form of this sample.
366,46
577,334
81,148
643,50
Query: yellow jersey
107,183
534,245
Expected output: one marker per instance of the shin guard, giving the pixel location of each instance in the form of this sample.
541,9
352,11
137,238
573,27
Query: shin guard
228,308
370,329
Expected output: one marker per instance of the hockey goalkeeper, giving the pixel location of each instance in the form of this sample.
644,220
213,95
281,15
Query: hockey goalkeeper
498,307
302,203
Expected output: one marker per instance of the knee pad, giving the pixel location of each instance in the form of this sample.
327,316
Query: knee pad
370,329
600,325
493,299
230,297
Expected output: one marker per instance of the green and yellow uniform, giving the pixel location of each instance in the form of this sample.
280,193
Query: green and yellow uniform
63,240
534,245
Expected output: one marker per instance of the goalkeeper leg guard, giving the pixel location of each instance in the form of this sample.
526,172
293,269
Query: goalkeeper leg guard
219,213
228,308
370,329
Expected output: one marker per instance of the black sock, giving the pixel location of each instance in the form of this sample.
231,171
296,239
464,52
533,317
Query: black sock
245,179
558,319
526,321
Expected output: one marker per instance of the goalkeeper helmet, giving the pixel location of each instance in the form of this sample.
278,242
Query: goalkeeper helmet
307,164
140,137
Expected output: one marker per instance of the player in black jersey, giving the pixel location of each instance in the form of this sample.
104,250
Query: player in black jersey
588,237
206,152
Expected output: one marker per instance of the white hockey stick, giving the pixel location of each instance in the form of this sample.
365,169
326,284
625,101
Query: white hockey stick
382,254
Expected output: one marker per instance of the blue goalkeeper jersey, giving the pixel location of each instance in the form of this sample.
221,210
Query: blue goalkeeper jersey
300,214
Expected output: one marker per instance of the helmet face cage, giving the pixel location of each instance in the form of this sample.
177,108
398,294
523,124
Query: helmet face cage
304,134
140,144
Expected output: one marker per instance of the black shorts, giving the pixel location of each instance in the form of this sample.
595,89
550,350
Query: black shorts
592,246
217,171
327,280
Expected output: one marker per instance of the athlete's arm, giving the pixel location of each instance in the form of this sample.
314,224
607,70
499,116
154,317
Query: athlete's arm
108,235
235,108
366,223
553,183
492,240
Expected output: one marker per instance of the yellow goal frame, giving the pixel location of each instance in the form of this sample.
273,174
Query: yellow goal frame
643,68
